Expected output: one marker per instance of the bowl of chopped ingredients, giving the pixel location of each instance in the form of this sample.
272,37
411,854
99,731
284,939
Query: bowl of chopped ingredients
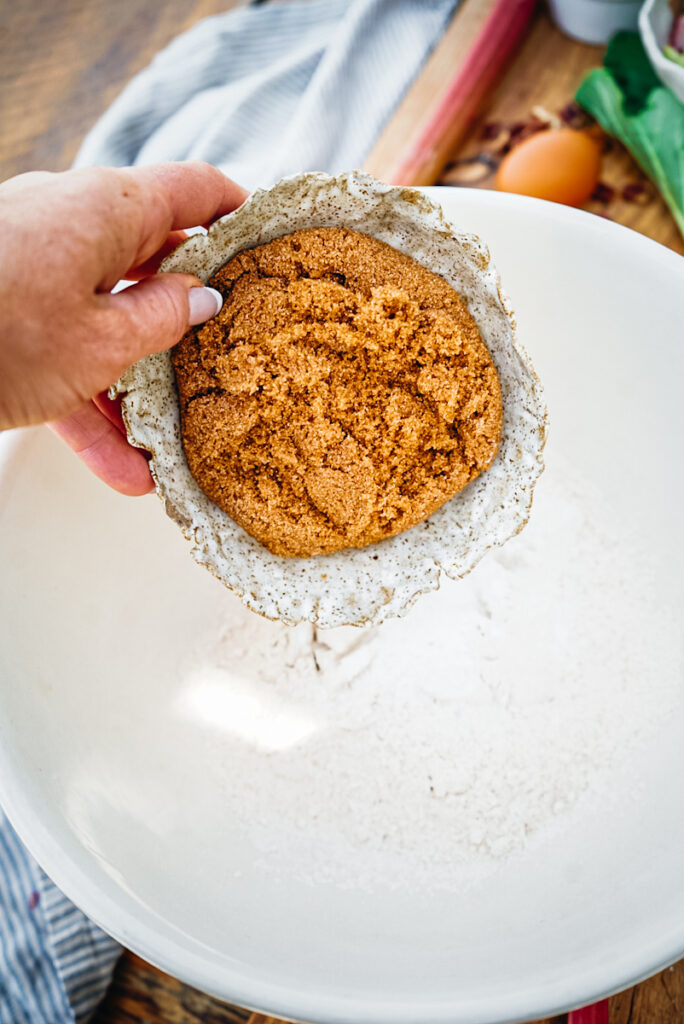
467,810
661,24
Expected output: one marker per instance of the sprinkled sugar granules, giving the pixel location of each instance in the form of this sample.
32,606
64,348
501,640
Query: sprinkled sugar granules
397,754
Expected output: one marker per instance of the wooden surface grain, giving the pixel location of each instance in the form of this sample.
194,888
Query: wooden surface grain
61,63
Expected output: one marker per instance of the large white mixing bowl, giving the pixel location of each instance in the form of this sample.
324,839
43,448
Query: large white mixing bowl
121,797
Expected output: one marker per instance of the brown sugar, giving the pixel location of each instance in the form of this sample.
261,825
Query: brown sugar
342,394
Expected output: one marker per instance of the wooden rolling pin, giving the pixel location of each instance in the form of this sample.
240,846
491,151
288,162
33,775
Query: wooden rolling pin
450,92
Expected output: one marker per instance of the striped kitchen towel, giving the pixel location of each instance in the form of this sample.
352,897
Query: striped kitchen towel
263,91
273,89
54,963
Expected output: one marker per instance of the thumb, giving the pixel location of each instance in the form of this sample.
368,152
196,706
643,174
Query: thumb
155,313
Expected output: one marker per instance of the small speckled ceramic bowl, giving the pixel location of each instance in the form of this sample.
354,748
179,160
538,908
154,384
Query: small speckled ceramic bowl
364,585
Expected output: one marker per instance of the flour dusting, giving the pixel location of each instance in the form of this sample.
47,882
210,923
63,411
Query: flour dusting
409,753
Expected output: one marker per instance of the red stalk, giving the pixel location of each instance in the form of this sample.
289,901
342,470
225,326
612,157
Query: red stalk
597,1013
462,101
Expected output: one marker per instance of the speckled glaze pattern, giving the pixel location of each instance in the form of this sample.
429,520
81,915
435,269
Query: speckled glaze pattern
367,585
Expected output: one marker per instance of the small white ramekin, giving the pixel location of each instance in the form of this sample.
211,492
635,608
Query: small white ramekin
594,21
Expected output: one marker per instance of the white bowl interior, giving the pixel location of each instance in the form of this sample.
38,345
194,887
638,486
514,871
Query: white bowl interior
123,795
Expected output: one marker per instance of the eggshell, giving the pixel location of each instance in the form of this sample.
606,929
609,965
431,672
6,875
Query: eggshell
561,165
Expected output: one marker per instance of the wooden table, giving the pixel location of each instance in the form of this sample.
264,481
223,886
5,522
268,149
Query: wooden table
61,64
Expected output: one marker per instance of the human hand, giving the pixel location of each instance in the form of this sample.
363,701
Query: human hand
65,241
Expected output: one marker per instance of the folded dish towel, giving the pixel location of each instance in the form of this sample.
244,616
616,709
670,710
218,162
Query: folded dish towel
263,91
273,89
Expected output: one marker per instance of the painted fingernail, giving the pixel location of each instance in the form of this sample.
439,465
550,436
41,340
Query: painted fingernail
203,303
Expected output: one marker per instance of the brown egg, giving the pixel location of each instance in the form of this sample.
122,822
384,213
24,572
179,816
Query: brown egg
561,165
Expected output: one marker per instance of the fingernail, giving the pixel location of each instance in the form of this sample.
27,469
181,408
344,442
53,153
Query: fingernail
203,303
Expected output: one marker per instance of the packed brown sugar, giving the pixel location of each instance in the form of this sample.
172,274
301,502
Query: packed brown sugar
342,395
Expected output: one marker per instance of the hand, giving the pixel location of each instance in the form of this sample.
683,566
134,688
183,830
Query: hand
65,241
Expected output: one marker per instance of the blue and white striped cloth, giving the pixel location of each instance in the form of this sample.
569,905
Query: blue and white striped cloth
273,89
261,92
55,964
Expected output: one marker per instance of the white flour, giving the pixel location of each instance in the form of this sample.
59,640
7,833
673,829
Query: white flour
398,754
